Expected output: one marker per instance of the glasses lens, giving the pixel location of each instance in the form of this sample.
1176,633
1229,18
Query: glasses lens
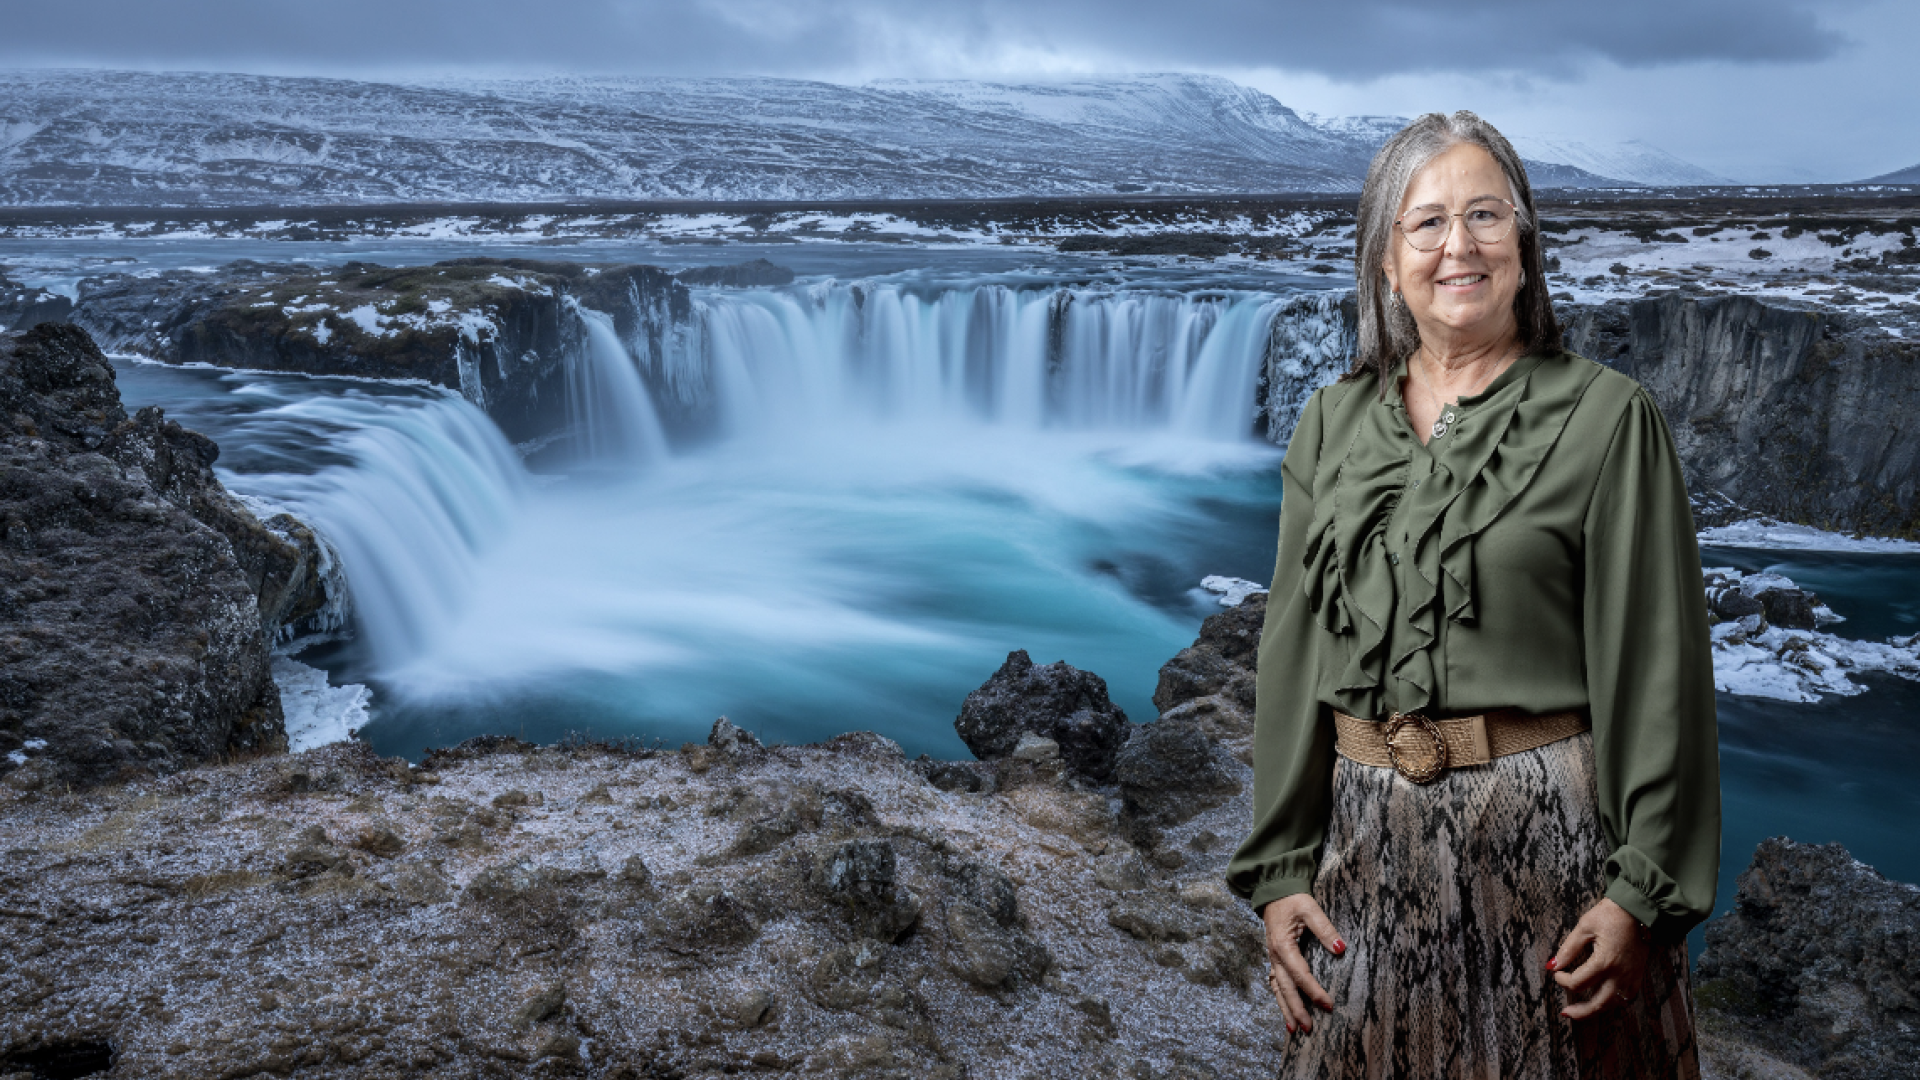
1425,229
1490,222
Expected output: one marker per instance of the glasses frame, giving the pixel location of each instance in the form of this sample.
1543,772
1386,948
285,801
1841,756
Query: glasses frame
1448,235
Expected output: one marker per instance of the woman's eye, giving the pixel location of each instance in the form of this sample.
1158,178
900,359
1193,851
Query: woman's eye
1482,216
1434,223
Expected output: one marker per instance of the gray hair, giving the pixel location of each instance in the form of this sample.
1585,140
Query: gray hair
1387,330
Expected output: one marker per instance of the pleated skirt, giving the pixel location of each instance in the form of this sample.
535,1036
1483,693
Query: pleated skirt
1451,897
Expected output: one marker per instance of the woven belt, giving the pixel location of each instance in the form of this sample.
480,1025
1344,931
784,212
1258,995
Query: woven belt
1420,748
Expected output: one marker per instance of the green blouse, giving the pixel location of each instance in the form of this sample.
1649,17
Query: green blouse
1539,554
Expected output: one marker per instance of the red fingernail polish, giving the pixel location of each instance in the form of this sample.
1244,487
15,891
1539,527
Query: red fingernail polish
1551,961
1339,946
1290,1025
1564,1016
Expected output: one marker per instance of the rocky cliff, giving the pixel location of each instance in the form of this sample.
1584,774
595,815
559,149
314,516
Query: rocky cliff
1798,412
1818,964
137,597
500,331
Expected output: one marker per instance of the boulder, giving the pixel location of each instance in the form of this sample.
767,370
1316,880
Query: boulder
1816,964
862,875
1170,771
1210,683
1220,661
989,945
1054,701
133,631
731,740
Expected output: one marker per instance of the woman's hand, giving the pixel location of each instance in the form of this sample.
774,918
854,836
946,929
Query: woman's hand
1602,963
1288,976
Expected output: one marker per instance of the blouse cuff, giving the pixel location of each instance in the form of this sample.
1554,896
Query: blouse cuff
1275,888
1638,885
1632,902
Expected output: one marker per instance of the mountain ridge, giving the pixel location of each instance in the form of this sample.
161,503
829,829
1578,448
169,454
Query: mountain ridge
114,138
1908,175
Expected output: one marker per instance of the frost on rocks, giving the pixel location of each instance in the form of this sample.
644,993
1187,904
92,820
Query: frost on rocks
1310,345
1754,657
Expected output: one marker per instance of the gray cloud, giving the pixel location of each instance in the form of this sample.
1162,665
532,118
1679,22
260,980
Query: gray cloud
1352,40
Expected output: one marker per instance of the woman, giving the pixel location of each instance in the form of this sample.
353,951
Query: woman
1486,779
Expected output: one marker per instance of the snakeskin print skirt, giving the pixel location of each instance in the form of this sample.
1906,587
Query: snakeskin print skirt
1451,898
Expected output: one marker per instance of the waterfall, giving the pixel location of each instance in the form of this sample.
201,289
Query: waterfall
792,359
414,491
609,411
870,395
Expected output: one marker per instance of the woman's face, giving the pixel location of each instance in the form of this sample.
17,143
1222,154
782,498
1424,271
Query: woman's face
1461,292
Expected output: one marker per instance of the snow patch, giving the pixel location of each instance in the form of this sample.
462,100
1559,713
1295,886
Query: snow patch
318,713
1768,534
1232,590
1754,659
367,319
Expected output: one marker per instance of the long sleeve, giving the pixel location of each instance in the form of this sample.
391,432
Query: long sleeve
1649,670
1292,747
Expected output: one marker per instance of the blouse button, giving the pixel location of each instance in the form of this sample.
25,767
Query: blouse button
1393,557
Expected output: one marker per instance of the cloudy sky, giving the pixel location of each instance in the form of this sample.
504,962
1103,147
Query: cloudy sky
1756,90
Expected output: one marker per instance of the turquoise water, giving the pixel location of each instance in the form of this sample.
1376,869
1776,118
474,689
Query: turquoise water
1841,770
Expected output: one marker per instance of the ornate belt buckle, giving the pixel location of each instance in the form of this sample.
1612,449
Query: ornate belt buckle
1417,767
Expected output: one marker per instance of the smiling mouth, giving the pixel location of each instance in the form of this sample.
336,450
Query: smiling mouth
1464,279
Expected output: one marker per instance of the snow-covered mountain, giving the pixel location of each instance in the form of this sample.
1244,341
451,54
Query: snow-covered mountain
148,139
1633,161
1552,161
1908,175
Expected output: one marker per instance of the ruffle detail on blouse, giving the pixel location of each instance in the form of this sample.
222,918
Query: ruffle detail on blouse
1497,447
1347,580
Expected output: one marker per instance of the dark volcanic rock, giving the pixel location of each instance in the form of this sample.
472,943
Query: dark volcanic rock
131,622
500,331
22,308
1210,683
1170,771
1800,413
1790,608
1817,963
1733,597
759,272
863,876
1055,701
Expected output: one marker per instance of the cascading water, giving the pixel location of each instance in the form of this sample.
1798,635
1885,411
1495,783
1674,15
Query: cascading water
1023,358
871,492
419,489
609,412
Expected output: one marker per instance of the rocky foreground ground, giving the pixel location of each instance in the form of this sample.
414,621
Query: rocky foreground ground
733,909
509,910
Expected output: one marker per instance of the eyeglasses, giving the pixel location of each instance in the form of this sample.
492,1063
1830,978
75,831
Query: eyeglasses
1488,222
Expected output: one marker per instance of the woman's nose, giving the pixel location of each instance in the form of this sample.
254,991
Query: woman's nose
1460,241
